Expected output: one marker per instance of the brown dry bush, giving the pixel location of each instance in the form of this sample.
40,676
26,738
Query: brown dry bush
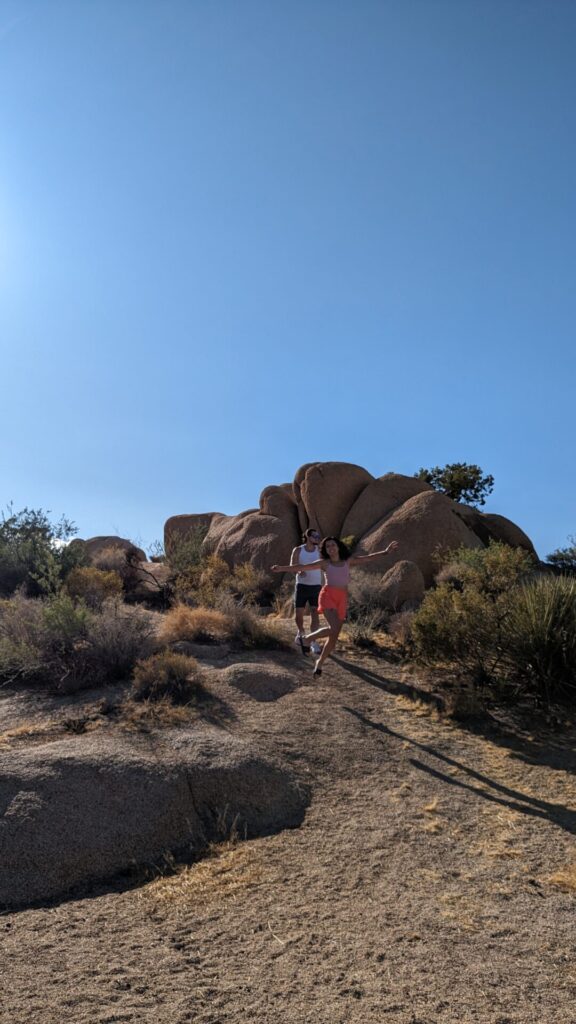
168,676
68,647
367,603
93,586
195,624
400,629
249,628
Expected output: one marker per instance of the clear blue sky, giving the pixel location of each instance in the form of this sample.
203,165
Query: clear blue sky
240,235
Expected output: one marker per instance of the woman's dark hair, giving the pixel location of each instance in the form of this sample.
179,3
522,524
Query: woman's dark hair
343,551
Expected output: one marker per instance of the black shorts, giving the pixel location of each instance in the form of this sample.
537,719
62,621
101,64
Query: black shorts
305,594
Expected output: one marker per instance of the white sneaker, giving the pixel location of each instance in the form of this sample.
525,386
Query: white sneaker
315,648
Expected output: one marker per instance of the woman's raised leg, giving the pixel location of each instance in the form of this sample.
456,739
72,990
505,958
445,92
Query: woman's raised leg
335,625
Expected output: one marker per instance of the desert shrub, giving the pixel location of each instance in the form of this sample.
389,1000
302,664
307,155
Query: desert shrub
463,620
247,627
362,630
250,584
167,676
491,571
400,629
201,624
366,600
501,623
185,551
110,559
440,628
34,553
123,561
93,586
184,556
62,644
21,627
540,637
118,636
213,578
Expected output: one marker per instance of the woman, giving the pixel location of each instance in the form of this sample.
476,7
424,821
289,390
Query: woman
333,601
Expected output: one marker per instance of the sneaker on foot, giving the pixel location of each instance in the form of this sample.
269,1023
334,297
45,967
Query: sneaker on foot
303,647
315,648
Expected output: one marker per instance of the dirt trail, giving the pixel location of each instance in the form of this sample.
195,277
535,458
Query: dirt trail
417,890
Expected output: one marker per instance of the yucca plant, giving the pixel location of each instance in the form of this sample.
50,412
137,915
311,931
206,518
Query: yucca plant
540,637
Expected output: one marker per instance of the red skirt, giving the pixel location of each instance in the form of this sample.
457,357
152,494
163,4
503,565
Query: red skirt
335,598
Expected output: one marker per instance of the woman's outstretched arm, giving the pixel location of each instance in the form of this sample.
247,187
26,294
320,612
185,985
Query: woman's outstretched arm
318,564
359,559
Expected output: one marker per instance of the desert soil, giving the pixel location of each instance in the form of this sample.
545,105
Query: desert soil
432,881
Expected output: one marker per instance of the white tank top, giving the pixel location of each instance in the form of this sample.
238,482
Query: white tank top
313,577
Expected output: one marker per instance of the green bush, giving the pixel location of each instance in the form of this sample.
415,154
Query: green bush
491,571
540,637
168,676
34,553
247,627
461,628
501,623
366,601
64,645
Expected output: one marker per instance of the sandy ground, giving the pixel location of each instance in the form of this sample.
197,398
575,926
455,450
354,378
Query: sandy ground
430,883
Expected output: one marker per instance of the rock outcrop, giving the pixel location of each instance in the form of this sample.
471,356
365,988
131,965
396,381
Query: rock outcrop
345,500
378,499
423,525
258,539
402,586
72,815
94,546
327,491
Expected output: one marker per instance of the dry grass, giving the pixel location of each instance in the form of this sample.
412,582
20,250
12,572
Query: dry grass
564,879
432,827
184,623
225,872
145,715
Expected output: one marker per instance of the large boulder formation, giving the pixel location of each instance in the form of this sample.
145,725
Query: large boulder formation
279,501
402,586
299,477
181,529
94,547
345,500
219,527
259,539
423,525
327,491
504,530
380,497
75,813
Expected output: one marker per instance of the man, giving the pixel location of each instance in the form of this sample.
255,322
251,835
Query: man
308,585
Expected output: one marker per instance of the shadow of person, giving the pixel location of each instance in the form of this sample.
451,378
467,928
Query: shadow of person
487,788
514,733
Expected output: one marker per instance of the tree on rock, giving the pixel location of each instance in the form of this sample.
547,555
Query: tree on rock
564,559
460,481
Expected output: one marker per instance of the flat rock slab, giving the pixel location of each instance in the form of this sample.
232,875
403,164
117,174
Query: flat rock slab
260,681
81,810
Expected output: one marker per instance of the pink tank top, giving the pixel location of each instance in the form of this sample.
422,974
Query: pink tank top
337,575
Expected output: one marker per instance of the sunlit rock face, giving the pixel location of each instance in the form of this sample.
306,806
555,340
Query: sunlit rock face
342,499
